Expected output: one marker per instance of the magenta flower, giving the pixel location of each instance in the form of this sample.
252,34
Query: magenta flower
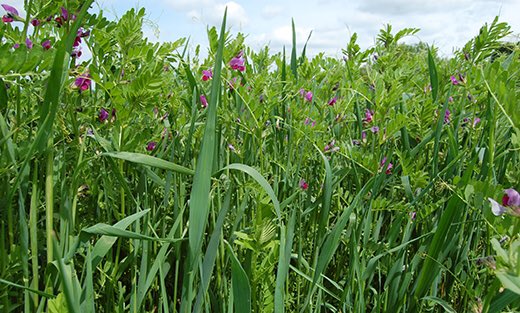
83,82
207,75
28,43
308,96
103,115
303,184
237,62
16,46
11,15
203,101
64,14
332,101
35,22
369,114
331,147
447,116
46,44
454,81
76,52
389,166
476,121
511,199
83,33
151,146
113,115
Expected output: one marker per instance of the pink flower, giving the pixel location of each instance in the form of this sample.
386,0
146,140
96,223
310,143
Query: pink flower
308,96
46,44
203,101
151,145
28,43
103,115
35,22
511,199
447,116
83,82
11,15
302,92
369,114
207,75
237,62
389,167
303,184
476,121
332,101
454,81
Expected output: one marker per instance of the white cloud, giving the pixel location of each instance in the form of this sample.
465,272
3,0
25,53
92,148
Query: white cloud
271,11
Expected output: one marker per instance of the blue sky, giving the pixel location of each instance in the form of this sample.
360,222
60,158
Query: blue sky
445,23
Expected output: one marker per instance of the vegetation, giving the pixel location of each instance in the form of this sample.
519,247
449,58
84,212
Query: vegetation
146,179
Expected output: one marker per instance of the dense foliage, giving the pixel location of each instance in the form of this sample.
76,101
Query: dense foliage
146,179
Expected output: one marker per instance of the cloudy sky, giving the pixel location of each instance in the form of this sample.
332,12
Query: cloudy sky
445,23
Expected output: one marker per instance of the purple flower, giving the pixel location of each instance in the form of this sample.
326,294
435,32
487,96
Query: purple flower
35,22
369,114
46,44
76,52
237,62
11,15
113,115
413,215
64,14
261,98
16,46
83,82
476,121
28,43
203,101
151,145
447,115
332,101
511,199
207,75
450,99
231,147
389,166
374,129
303,184
454,81
302,92
10,10
103,115
308,96
356,142
363,135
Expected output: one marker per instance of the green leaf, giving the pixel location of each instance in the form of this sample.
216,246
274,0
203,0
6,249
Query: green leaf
149,160
240,285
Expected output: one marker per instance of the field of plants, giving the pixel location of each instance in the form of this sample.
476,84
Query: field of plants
147,178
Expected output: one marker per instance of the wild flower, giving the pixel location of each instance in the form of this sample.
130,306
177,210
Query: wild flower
331,147
46,44
476,121
332,101
151,146
237,62
12,14
207,75
103,115
308,96
16,46
374,129
28,43
454,81
83,82
447,116
113,115
389,166
369,114
35,22
303,184
203,101
510,202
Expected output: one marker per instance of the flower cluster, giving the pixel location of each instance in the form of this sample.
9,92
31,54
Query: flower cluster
238,62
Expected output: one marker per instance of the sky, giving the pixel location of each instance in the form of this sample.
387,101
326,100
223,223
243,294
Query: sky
447,24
